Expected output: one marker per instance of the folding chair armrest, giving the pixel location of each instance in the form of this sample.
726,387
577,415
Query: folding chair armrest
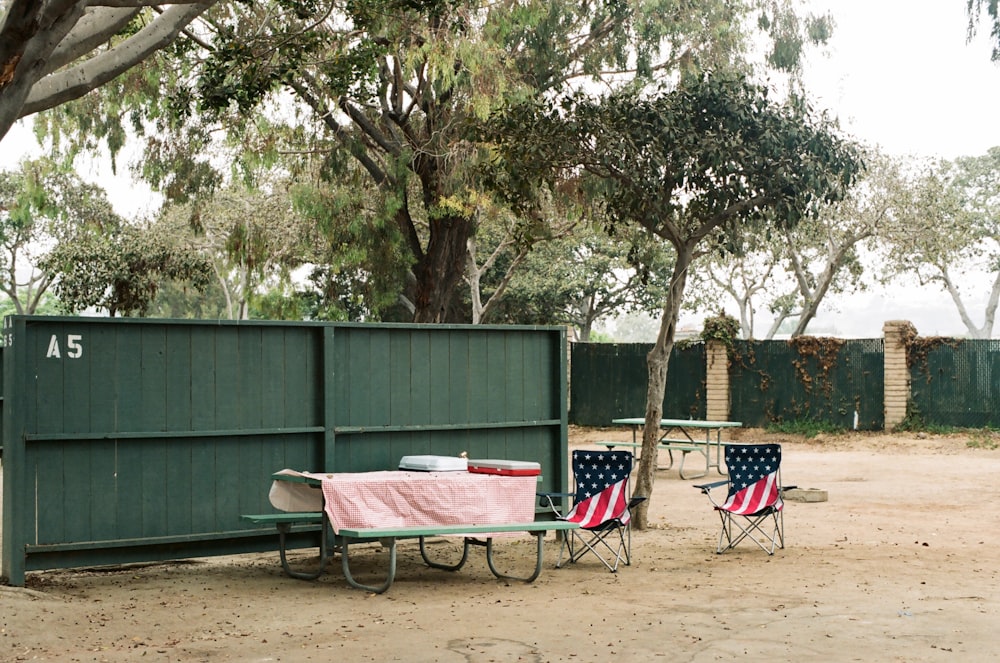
705,487
548,500
635,501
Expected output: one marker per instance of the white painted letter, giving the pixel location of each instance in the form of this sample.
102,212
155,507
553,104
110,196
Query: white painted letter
53,348
73,343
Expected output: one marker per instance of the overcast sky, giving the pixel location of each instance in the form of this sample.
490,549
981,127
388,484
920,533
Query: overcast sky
900,73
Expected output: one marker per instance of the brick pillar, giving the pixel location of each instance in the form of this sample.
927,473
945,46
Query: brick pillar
716,381
897,374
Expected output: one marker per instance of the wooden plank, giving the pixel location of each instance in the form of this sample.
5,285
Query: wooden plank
274,347
153,378
177,366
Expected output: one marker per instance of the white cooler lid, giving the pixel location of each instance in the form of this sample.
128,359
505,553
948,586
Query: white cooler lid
431,463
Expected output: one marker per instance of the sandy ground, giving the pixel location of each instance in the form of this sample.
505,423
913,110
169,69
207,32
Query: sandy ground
900,564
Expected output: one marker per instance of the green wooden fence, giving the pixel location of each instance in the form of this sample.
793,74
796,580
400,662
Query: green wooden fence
825,380
134,440
956,383
608,381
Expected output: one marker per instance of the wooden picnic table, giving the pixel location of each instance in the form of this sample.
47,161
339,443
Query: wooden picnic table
685,436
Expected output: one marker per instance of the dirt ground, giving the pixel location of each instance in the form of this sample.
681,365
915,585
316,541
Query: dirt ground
900,564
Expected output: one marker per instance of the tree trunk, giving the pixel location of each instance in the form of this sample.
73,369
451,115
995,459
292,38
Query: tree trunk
656,363
441,268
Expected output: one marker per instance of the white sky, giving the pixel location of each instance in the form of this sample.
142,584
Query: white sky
900,73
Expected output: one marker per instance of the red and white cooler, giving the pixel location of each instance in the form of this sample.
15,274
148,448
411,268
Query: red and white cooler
503,467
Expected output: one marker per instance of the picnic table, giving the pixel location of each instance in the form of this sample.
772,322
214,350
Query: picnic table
685,436
389,505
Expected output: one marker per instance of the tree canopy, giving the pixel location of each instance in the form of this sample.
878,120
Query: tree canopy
53,51
392,88
711,159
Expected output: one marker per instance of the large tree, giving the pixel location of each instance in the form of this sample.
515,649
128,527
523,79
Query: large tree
53,51
950,236
44,206
707,162
975,10
395,85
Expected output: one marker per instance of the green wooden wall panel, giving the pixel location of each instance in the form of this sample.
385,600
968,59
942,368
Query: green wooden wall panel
275,351
177,380
153,482
77,522
439,385
300,379
76,385
378,410
496,377
48,412
171,429
205,469
227,386
100,352
398,370
418,384
152,415
515,378
182,480
459,386
128,381
101,493
45,468
203,379
477,349
128,487
249,378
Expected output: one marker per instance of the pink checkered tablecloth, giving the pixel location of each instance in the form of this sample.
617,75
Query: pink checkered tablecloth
413,499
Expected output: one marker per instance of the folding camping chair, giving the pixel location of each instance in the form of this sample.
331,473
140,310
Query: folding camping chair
753,508
602,506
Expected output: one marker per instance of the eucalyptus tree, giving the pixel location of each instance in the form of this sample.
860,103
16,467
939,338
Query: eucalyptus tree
975,10
54,51
395,85
252,239
121,272
585,277
789,272
44,205
950,237
706,162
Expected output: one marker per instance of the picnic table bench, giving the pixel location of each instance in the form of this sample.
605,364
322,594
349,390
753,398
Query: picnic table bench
685,444
388,537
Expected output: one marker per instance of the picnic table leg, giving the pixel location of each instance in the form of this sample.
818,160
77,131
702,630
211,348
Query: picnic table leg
324,553
539,536
445,567
374,589
692,476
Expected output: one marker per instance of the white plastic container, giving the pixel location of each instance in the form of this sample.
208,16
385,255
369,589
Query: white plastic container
432,463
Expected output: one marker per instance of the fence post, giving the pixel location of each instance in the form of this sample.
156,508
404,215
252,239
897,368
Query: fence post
716,381
897,373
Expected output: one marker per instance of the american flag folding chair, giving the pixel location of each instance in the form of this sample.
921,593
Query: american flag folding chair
602,506
753,508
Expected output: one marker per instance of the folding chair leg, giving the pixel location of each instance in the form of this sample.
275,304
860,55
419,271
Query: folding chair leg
599,543
754,524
